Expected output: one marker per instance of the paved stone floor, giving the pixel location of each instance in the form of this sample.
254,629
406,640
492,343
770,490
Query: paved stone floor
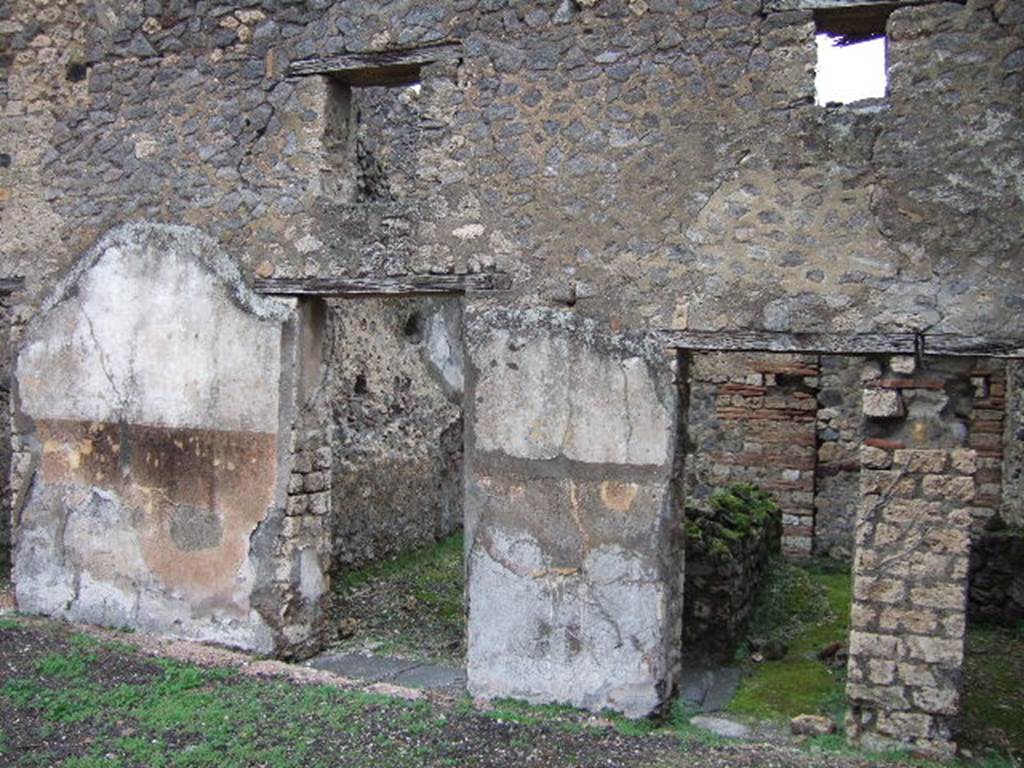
386,669
709,688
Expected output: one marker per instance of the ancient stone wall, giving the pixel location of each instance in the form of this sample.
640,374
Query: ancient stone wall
837,474
1012,508
596,125
986,423
396,394
154,400
5,434
727,556
910,584
572,538
646,164
752,419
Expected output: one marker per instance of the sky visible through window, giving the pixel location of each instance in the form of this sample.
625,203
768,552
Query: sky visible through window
849,73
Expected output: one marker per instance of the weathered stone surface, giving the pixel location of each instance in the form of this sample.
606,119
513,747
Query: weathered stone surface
573,565
811,725
752,419
1012,508
882,403
149,395
396,398
907,634
556,397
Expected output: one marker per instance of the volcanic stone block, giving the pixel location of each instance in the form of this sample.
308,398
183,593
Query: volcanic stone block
154,399
882,403
571,533
910,578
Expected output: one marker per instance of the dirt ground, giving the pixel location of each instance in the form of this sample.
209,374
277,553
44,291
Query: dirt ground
84,698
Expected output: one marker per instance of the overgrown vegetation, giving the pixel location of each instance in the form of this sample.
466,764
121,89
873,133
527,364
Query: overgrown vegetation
736,513
801,610
992,724
67,700
411,605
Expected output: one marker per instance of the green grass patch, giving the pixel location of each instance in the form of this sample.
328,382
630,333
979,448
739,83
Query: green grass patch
992,724
808,608
411,605
432,575
9,624
222,718
555,716
66,666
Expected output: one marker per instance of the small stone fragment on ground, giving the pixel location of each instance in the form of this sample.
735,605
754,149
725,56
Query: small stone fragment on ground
347,628
721,726
812,725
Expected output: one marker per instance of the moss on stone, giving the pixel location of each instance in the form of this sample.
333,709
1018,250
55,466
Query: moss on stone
737,513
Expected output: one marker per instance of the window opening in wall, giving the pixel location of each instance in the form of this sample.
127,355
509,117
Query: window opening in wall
851,48
354,171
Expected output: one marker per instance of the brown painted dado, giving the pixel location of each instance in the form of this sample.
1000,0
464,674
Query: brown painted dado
195,495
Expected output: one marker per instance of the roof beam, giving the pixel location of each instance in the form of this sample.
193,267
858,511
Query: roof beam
396,285
810,343
396,67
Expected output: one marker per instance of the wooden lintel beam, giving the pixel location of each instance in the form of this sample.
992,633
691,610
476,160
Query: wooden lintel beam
955,345
398,285
810,343
377,67
9,285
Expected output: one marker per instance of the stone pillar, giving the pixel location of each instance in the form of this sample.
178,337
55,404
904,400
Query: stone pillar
5,430
910,581
162,412
571,522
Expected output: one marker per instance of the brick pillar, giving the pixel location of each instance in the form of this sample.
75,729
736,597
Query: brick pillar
910,584
987,419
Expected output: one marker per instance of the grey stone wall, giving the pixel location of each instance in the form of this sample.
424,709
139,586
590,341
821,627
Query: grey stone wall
5,435
840,432
572,539
1012,508
580,148
752,419
396,376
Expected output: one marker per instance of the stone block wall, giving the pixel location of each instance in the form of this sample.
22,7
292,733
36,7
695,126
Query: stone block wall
752,419
910,585
396,381
572,537
837,474
1013,443
723,574
986,423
